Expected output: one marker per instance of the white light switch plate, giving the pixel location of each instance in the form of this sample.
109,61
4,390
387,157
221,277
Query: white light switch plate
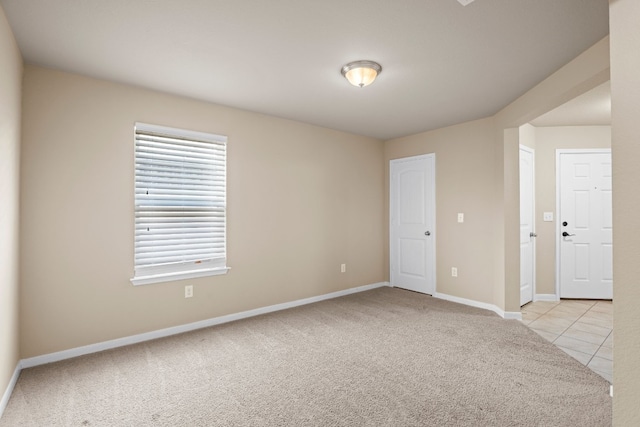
460,217
547,216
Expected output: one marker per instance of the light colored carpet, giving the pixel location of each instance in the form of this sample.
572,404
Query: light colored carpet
385,357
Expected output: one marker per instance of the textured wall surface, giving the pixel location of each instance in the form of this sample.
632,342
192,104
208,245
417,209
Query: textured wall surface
10,96
301,201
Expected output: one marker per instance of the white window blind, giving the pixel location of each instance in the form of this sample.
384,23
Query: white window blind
180,204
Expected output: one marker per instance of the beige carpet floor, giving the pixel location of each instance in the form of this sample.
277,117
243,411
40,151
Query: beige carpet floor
385,357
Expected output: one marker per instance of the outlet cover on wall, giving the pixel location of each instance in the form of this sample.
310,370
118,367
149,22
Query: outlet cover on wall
547,216
454,272
188,291
460,217
343,268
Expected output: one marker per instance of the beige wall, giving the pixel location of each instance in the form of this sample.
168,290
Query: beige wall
527,136
465,164
10,97
301,201
287,236
585,72
625,126
511,219
477,173
548,140
77,196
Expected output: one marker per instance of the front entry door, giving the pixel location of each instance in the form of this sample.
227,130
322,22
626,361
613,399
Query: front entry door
412,223
585,225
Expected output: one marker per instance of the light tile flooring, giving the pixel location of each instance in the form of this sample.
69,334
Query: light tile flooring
581,328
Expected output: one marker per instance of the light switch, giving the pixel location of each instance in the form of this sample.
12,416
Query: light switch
460,217
547,216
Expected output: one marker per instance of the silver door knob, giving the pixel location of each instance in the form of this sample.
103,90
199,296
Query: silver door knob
427,233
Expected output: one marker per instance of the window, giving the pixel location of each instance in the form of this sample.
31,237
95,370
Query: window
180,204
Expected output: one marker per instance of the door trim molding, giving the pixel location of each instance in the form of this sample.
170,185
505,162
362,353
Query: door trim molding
559,152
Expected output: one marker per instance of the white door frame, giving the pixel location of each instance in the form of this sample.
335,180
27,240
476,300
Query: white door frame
533,207
433,236
560,151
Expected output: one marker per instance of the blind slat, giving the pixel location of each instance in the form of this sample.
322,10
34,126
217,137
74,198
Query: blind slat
189,141
176,237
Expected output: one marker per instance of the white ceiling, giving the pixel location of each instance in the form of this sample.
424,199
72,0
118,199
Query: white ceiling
443,63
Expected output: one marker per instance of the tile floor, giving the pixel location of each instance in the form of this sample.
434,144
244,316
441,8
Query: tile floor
581,328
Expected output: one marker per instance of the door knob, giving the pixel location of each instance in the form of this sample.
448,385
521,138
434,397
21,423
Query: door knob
427,233
532,234
565,234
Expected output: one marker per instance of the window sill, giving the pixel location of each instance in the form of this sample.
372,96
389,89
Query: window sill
181,275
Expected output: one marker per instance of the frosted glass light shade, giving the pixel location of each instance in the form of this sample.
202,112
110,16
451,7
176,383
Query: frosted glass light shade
361,73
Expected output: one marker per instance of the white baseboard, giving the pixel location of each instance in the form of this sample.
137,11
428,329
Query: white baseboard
500,312
546,297
148,336
7,393
515,315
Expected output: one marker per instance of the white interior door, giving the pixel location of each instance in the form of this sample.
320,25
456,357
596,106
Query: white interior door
527,225
412,221
585,225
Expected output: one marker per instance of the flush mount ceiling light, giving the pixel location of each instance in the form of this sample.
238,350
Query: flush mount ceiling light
361,73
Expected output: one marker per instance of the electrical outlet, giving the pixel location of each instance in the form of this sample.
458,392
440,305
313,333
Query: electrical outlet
454,272
343,268
188,291
460,217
